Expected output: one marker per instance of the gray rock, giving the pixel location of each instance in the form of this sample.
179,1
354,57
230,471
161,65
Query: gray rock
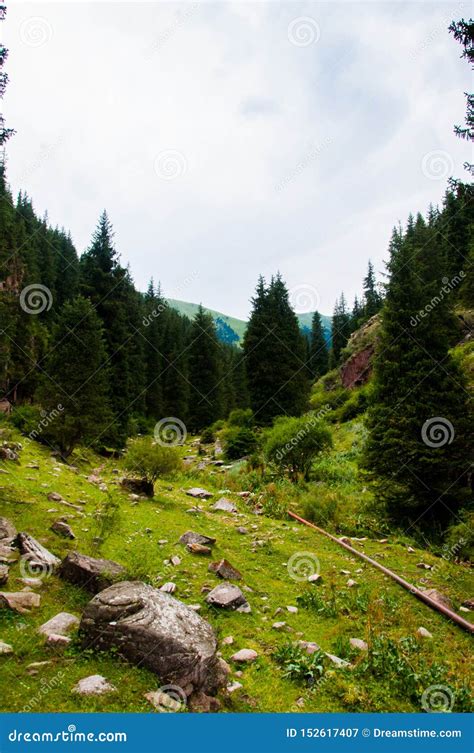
227,596
20,602
195,548
242,530
93,685
90,573
337,661
245,655
37,557
168,588
198,493
55,497
359,644
424,633
63,529
155,630
5,648
233,686
190,537
3,574
54,640
224,570
61,624
315,578
309,646
224,505
7,531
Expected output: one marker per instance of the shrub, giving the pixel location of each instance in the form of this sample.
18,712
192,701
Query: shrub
459,541
239,441
299,666
207,435
26,418
320,510
151,460
241,417
293,444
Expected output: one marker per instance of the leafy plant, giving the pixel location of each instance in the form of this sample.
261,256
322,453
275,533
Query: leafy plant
151,460
292,444
300,666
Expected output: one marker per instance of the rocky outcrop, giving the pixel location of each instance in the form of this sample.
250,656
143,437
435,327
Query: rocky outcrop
153,629
90,573
358,368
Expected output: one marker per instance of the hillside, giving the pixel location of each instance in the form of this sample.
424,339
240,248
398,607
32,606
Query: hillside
238,326
351,600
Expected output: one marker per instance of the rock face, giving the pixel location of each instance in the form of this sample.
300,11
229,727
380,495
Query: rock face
357,369
38,557
227,596
224,570
138,486
90,573
155,630
7,531
190,537
60,624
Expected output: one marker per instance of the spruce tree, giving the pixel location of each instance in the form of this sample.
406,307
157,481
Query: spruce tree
416,451
372,299
318,351
205,372
340,330
74,393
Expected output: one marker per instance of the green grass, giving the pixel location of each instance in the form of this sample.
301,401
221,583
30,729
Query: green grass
376,609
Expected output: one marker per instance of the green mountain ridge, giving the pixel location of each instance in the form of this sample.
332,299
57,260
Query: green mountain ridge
239,325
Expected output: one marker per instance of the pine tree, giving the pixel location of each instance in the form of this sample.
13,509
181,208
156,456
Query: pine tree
275,355
372,299
463,32
205,402
340,330
74,393
417,387
5,132
318,350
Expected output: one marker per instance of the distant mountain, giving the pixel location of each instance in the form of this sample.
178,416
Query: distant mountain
232,330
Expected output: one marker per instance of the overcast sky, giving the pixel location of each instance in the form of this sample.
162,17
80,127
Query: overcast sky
228,140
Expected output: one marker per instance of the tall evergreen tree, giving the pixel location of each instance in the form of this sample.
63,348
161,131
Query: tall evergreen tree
275,355
75,386
416,451
205,402
372,299
463,32
318,351
340,330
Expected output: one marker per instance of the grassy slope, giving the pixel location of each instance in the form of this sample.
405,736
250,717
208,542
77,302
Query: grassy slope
23,493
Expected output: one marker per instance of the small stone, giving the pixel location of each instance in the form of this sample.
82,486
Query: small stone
424,633
5,648
194,548
410,550
351,583
292,610
199,493
345,572
309,646
190,537
195,607
280,626
63,529
464,609
244,495
57,641
62,624
244,655
227,596
424,566
315,578
224,570
175,560
383,541
337,661
224,505
162,542
300,702
93,685
234,686
54,497
168,588
31,582
359,644
242,530
228,641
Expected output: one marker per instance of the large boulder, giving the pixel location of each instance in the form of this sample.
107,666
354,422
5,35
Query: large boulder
153,629
90,573
36,557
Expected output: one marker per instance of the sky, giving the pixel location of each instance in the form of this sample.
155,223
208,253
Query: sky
228,140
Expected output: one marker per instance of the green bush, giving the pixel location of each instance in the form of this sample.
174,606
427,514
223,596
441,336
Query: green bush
292,444
357,403
150,460
320,510
459,540
238,442
241,417
26,418
207,435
